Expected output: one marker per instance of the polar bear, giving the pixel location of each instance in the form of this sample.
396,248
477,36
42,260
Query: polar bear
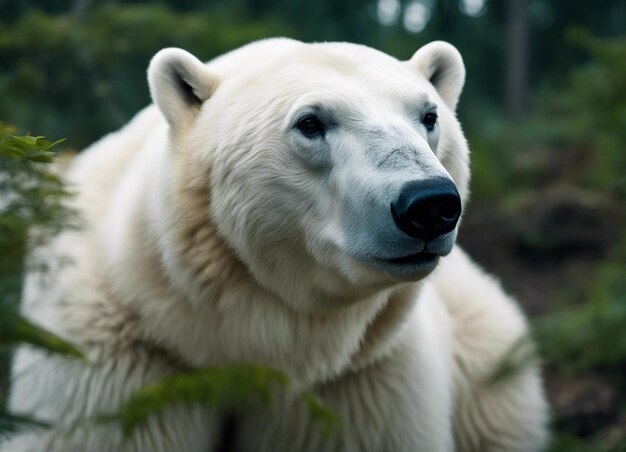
294,205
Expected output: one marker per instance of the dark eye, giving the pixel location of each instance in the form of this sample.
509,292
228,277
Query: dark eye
310,126
429,120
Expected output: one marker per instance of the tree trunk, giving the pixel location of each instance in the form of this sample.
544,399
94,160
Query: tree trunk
517,57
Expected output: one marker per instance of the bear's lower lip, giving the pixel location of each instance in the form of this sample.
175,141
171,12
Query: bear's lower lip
413,259
406,268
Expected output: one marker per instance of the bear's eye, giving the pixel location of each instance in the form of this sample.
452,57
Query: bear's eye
429,120
310,126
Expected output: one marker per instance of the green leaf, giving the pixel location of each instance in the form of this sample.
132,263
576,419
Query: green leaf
32,148
11,152
328,422
42,157
10,423
216,386
15,330
229,386
44,144
25,142
521,354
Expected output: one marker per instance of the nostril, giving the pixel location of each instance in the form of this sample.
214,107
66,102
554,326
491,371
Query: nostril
447,216
449,210
427,209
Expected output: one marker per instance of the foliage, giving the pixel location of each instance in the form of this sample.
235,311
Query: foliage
586,112
229,388
82,63
31,202
16,330
35,149
81,75
576,133
582,116
569,443
10,423
31,210
520,354
588,339
591,336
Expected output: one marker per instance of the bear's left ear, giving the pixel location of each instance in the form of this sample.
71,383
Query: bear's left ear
179,85
442,65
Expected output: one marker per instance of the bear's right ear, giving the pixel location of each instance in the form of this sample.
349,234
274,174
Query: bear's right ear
442,65
179,85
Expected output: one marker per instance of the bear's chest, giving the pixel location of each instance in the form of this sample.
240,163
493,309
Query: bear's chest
402,402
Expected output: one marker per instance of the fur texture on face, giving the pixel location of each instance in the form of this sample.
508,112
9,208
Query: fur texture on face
249,216
281,197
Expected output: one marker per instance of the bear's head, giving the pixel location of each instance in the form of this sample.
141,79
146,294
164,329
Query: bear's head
332,171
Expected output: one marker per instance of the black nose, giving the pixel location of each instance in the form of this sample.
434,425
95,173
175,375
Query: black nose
427,209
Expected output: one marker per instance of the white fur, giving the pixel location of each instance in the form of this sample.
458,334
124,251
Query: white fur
228,237
442,65
179,83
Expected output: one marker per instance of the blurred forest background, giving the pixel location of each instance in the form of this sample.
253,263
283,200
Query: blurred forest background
544,110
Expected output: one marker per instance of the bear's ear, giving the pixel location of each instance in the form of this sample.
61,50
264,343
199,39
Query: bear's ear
179,85
442,65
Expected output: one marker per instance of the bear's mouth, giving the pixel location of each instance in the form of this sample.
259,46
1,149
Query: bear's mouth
406,268
413,259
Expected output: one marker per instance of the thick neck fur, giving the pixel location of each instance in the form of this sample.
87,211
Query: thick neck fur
201,303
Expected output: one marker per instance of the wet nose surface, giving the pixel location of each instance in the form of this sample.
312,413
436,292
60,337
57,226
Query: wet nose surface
427,209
